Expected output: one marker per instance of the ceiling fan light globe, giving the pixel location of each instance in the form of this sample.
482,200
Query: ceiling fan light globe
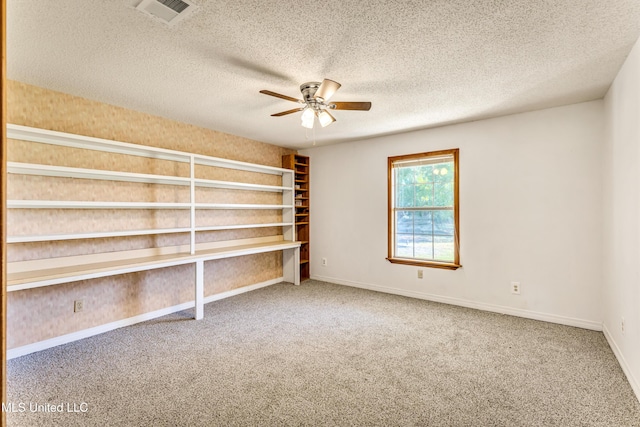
307,124
325,118
307,115
326,90
307,118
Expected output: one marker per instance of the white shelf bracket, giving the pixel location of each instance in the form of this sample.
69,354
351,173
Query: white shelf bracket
192,200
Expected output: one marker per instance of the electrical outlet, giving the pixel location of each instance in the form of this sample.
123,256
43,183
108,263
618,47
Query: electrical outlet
420,274
622,325
515,288
324,262
78,306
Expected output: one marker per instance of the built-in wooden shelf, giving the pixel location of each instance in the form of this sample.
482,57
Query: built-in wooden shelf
301,166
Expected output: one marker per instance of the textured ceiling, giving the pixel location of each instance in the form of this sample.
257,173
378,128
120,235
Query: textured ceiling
421,63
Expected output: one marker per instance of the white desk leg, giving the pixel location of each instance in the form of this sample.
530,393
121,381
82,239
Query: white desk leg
296,268
291,265
199,290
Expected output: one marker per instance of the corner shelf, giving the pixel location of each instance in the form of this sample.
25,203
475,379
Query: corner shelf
301,168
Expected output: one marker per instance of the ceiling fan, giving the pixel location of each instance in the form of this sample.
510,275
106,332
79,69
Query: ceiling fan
316,103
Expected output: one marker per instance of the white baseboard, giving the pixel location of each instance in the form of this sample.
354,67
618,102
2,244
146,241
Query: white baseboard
75,336
238,291
635,384
546,317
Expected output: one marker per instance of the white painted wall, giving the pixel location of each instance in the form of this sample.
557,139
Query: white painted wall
530,211
621,160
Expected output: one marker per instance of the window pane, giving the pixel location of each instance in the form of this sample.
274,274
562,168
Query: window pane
423,174
443,171
404,176
443,194
404,234
443,224
443,248
404,196
424,194
422,222
404,245
404,222
423,246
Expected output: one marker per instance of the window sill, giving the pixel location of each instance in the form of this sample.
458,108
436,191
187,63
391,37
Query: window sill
433,264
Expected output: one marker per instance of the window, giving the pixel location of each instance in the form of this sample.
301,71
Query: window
423,209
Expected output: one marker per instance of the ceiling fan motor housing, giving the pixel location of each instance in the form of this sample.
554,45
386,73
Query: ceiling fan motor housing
308,91
316,97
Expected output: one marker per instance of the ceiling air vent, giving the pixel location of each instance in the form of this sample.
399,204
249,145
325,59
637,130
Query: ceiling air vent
166,11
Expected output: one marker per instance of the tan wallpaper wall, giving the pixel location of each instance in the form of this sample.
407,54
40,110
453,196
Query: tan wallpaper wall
39,314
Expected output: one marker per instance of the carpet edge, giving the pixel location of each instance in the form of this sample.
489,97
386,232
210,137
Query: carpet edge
96,330
528,314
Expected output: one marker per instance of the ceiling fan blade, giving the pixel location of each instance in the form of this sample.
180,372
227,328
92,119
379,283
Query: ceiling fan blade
278,95
284,113
327,89
360,106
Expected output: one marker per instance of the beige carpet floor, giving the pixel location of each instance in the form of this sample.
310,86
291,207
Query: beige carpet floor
323,354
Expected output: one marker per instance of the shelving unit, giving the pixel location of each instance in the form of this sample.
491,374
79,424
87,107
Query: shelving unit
30,274
300,165
89,143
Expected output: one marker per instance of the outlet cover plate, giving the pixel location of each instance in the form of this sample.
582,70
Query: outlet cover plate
78,306
515,288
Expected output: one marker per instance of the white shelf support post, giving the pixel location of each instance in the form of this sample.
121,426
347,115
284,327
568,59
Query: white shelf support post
288,214
192,200
291,265
290,257
199,290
